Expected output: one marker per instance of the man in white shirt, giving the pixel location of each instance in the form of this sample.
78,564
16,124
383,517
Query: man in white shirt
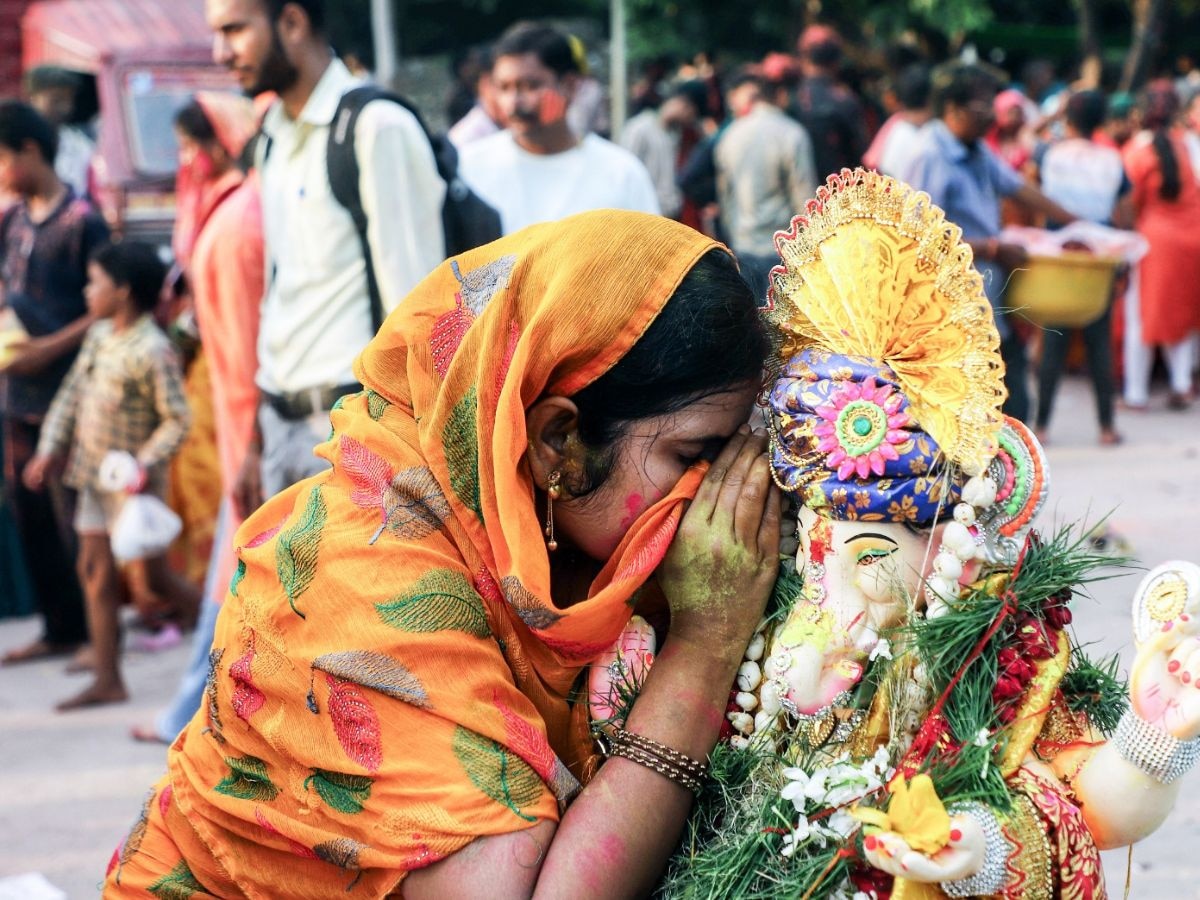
316,314
537,170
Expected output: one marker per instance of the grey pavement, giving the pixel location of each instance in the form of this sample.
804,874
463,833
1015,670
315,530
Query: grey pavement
70,785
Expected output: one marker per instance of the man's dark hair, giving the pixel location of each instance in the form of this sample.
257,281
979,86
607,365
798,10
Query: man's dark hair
193,121
826,54
959,83
48,78
913,85
1086,111
694,92
314,9
21,124
135,265
549,45
743,76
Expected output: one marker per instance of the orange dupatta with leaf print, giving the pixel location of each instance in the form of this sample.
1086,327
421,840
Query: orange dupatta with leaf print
390,677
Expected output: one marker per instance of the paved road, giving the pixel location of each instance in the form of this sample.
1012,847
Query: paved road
70,785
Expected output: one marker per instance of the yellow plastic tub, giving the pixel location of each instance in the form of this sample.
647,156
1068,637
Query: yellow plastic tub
1067,291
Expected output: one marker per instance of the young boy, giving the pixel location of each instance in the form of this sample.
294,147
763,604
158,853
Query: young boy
124,392
45,241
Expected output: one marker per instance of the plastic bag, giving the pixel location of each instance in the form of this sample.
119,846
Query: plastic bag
145,527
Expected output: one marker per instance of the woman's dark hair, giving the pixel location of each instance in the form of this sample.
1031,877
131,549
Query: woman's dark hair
1160,105
136,265
709,338
21,124
1086,111
193,121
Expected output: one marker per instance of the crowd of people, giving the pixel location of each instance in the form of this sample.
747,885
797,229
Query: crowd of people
308,211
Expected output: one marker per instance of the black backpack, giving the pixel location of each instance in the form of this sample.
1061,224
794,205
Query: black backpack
467,220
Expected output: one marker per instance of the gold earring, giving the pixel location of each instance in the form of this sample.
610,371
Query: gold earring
553,492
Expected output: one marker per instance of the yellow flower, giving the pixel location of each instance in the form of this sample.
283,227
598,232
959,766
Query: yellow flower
915,813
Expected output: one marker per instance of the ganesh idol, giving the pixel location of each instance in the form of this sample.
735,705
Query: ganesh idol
914,719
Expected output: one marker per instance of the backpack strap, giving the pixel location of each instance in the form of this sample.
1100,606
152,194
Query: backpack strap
344,173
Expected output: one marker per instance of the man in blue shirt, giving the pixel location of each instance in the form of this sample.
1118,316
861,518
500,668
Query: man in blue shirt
967,180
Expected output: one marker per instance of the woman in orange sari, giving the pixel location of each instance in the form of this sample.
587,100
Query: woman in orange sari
396,670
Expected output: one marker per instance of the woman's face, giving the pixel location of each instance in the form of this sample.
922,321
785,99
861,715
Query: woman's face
864,573
649,460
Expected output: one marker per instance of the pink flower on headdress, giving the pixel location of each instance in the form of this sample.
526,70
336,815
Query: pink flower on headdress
860,428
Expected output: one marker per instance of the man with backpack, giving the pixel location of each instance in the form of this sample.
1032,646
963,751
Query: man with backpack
342,247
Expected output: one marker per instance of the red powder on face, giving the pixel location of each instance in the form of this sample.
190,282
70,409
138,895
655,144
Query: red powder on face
635,504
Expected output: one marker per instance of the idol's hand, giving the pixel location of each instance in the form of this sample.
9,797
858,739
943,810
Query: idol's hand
1165,683
961,858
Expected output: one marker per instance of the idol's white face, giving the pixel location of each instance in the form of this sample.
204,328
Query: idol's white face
867,575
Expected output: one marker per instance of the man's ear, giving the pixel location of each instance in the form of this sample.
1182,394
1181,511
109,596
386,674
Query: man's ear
550,425
293,24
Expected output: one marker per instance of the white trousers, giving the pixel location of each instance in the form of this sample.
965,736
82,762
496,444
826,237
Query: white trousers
1139,357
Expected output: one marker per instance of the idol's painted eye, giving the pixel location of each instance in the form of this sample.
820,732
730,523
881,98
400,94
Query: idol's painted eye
873,555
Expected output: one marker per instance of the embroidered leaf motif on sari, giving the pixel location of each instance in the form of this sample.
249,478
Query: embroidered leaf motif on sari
532,611
247,699
164,800
247,780
376,405
238,574
410,503
137,834
375,671
210,693
295,846
178,884
460,442
476,289
441,600
355,723
345,793
497,772
531,745
259,539
296,552
343,853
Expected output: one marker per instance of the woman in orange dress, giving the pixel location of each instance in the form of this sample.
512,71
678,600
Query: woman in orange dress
1163,303
396,670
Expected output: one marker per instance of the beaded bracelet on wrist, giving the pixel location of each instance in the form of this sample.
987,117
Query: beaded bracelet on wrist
991,878
670,763
1160,755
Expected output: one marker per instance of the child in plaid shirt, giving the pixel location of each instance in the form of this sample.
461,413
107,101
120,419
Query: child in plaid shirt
124,392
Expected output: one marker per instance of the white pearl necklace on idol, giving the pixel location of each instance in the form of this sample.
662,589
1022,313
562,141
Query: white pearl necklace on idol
959,546
760,682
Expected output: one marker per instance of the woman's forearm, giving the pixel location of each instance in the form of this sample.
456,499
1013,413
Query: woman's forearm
618,834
